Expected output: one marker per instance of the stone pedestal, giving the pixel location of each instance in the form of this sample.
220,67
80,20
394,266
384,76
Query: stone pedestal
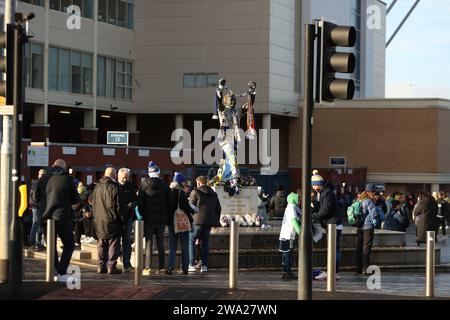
240,204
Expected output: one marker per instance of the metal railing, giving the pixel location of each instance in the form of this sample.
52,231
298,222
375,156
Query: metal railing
234,250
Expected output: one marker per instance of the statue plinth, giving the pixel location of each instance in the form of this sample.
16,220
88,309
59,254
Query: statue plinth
239,204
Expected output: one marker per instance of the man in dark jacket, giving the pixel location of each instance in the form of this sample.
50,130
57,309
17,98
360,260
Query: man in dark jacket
36,228
208,216
278,203
153,203
327,213
57,198
108,221
128,202
442,214
426,216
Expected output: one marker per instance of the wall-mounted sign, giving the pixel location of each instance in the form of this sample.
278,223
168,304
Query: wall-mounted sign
69,150
109,152
338,162
37,156
144,153
117,137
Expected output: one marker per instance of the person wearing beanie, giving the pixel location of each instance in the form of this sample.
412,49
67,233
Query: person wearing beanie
153,201
178,199
327,213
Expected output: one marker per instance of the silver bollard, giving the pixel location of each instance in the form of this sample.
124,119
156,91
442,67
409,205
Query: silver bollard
430,264
331,259
234,250
138,252
51,243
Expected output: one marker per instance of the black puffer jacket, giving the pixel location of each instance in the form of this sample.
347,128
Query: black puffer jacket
184,204
278,203
426,217
56,193
328,211
153,201
207,201
106,209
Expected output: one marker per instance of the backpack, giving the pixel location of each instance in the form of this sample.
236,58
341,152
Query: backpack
355,214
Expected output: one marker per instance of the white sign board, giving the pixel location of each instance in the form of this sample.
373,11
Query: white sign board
88,180
69,150
245,202
37,156
144,153
109,152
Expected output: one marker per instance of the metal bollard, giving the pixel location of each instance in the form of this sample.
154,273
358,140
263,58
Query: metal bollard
331,259
138,251
431,259
234,250
51,244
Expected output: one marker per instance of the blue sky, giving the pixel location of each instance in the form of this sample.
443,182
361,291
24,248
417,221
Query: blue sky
418,59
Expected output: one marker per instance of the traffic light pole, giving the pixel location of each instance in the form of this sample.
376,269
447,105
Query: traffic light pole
15,265
5,170
305,244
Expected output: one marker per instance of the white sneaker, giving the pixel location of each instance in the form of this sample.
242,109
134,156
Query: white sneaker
90,240
204,269
192,268
62,278
322,276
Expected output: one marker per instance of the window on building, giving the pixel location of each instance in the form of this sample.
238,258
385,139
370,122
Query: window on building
76,72
116,12
112,11
213,79
123,80
55,4
200,80
65,4
53,69
101,76
64,70
102,10
87,73
130,14
37,66
122,14
110,77
35,2
189,80
86,6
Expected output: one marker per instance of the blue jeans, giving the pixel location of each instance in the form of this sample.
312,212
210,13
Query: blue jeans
36,228
126,244
65,233
202,233
173,241
287,247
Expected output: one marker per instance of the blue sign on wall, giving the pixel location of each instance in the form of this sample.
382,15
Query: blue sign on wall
117,137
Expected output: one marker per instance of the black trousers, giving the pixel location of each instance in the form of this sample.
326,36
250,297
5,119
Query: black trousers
363,249
158,231
108,252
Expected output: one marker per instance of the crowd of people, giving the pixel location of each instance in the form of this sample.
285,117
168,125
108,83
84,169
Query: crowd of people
393,211
104,213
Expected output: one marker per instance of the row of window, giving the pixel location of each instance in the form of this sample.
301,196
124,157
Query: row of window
116,12
200,80
71,71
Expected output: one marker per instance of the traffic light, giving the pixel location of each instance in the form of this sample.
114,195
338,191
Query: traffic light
330,61
6,87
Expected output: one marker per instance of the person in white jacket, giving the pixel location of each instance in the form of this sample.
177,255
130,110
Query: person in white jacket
289,228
